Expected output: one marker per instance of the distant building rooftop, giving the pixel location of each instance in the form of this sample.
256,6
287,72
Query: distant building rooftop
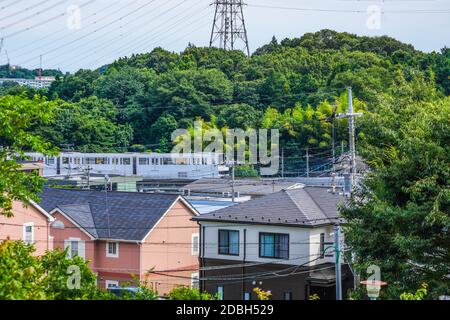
252,187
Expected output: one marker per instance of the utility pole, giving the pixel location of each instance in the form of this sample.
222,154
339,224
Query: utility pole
229,26
337,254
307,161
232,183
282,163
40,67
351,115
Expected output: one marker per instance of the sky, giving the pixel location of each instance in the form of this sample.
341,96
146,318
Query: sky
74,34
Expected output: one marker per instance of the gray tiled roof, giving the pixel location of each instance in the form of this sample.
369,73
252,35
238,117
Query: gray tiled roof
252,187
305,206
120,215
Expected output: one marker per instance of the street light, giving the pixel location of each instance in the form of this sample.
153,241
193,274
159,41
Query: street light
373,288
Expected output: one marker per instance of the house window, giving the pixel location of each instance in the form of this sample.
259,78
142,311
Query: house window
75,247
219,293
288,296
322,245
74,250
229,242
112,249
111,284
28,233
195,281
274,245
195,244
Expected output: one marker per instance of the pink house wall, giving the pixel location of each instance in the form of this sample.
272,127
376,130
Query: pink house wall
12,228
72,231
120,268
168,247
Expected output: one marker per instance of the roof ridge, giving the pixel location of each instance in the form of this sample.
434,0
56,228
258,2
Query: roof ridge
300,208
317,204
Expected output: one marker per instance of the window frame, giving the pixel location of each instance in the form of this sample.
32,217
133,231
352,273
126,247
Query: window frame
274,256
195,280
197,251
219,246
24,236
112,255
322,246
115,284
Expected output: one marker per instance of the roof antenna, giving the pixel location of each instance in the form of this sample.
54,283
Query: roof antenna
107,181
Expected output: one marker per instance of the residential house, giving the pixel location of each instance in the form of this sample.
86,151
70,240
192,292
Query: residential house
282,242
30,224
126,234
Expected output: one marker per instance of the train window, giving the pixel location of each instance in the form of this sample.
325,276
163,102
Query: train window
115,160
154,161
90,160
182,175
51,161
125,161
65,160
144,161
181,161
167,161
101,160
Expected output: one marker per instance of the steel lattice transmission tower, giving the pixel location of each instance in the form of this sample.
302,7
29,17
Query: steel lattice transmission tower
228,28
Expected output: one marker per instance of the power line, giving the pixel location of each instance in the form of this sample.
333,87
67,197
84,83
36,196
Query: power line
182,27
28,44
39,24
146,23
347,10
24,10
32,15
96,30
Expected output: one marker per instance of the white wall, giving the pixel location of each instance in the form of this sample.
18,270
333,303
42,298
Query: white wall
304,243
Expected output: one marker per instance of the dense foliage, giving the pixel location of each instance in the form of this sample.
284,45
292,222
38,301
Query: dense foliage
186,293
18,114
296,85
53,276
8,71
399,219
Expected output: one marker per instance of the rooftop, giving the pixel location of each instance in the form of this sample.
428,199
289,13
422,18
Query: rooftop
113,215
304,206
253,187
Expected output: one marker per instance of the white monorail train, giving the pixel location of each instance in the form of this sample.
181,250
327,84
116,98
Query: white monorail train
146,165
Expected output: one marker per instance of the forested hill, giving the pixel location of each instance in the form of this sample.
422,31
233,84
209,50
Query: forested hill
8,71
295,85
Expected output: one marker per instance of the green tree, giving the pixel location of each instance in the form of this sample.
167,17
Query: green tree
399,219
239,116
67,278
186,293
18,115
20,272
